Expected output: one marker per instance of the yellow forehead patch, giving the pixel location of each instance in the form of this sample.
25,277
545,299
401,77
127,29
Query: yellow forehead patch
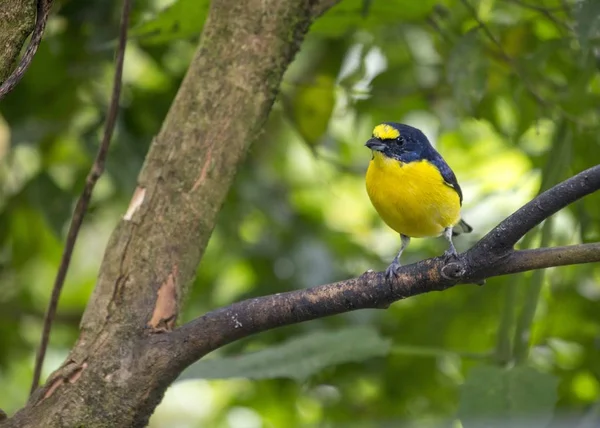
385,132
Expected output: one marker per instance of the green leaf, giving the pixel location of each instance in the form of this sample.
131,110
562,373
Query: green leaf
312,107
496,397
54,203
351,14
183,19
467,70
297,358
587,17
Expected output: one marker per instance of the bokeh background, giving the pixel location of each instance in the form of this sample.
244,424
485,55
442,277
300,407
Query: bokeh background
507,90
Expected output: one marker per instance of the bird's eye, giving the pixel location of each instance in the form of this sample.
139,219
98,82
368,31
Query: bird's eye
400,140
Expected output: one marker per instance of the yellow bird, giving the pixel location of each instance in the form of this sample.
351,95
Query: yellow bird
412,188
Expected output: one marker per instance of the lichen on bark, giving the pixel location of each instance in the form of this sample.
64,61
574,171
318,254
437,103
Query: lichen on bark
17,20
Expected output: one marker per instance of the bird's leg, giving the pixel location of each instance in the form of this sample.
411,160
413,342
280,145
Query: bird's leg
392,269
450,252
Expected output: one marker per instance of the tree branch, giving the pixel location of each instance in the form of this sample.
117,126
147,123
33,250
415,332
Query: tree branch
321,6
111,376
43,10
85,198
504,236
492,256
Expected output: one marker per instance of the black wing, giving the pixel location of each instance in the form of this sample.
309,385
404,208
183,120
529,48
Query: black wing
426,151
447,175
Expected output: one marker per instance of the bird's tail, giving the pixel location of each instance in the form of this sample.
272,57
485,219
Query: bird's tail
461,227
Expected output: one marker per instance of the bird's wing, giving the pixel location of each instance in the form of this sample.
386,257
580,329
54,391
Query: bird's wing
447,175
431,155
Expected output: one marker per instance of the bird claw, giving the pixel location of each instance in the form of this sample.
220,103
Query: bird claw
392,270
450,254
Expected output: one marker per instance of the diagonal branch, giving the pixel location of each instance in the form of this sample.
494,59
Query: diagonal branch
545,11
320,7
84,200
492,256
504,236
111,377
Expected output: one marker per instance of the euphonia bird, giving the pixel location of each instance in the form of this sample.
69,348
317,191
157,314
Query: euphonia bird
412,188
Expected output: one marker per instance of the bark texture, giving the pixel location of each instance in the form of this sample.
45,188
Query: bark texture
17,20
114,376
493,255
129,350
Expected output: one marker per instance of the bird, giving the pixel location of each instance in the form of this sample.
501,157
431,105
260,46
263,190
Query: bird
412,188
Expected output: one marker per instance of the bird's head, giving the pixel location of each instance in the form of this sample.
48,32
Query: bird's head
399,141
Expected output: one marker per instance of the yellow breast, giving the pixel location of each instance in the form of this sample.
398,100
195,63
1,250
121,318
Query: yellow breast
411,198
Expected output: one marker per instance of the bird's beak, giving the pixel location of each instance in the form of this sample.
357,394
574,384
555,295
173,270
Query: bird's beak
375,144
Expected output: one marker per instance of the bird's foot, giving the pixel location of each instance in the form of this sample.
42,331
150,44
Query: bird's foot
450,254
392,270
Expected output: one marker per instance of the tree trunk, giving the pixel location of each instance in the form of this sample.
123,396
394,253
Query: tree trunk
116,375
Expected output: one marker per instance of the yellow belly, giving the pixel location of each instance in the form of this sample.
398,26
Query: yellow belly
411,198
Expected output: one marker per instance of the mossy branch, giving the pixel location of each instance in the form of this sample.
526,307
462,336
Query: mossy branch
17,19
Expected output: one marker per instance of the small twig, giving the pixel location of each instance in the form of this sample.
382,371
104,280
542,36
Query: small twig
43,10
503,350
532,296
557,164
445,36
515,66
547,12
84,200
551,174
12,312
507,58
565,7
538,8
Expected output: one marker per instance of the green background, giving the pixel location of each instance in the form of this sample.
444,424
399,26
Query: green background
508,91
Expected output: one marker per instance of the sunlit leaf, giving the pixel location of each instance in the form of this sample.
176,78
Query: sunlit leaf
350,14
183,19
297,358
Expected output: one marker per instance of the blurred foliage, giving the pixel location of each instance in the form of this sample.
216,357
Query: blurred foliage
498,397
298,358
507,90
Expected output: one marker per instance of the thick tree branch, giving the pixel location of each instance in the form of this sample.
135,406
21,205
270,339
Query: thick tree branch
128,353
220,327
86,196
321,6
492,256
112,377
525,260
